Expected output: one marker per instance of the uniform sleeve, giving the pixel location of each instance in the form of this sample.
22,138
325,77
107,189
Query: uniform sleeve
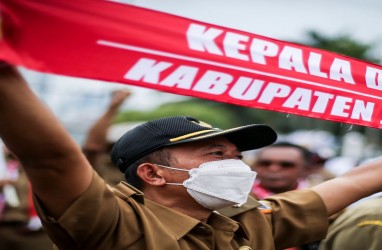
297,216
91,222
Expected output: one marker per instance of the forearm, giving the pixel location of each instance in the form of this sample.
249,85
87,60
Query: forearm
96,142
53,161
27,127
97,136
342,191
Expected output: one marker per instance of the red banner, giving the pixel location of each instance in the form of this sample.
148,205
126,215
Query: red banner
110,41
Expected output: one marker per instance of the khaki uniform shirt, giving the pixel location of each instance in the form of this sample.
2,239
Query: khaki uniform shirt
359,227
109,172
122,218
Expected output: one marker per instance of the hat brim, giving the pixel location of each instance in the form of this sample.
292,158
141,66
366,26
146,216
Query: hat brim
247,137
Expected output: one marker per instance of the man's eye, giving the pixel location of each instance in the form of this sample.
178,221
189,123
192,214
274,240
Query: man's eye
219,153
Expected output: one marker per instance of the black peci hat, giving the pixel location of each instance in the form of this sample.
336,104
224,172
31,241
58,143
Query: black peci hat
169,131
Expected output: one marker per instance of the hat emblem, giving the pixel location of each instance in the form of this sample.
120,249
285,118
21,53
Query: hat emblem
203,124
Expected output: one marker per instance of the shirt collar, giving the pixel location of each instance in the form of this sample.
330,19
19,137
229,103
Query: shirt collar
124,190
170,219
221,222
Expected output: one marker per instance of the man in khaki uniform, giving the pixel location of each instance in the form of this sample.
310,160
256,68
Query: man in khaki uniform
358,228
20,228
186,169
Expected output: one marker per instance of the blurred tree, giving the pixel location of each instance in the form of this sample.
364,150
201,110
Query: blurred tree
208,111
342,44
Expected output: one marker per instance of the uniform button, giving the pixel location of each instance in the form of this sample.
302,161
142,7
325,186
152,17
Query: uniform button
202,230
238,205
245,248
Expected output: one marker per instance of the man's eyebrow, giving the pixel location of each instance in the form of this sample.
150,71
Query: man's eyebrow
214,145
217,145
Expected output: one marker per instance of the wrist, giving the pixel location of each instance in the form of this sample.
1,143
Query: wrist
3,63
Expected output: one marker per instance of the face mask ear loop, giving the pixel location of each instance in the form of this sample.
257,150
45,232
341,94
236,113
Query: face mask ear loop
174,184
179,169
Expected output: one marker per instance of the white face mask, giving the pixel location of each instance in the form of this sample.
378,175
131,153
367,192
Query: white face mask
219,184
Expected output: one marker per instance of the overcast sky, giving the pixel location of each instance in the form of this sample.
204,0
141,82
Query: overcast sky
280,19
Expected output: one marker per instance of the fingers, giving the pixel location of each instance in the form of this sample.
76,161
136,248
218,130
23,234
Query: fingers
122,93
119,96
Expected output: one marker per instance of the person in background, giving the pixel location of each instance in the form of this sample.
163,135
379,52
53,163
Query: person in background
358,228
20,226
97,147
280,168
315,172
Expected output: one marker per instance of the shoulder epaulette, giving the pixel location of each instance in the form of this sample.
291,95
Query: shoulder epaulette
265,207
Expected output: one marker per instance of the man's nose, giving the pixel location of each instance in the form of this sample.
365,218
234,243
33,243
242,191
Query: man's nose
274,166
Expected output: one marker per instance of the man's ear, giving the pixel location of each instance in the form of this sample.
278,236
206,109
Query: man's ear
151,174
